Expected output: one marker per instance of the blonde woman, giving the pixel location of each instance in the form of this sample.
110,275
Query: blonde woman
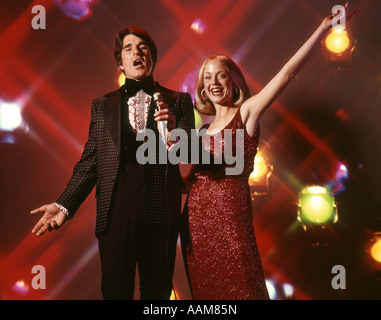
219,246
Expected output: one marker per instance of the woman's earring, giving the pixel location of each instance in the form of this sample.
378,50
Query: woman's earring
203,95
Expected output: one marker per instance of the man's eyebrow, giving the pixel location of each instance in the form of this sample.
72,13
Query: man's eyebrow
128,45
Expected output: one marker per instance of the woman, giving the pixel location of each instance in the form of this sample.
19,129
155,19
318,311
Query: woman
219,246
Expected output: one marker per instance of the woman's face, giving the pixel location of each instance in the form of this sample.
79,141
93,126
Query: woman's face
218,84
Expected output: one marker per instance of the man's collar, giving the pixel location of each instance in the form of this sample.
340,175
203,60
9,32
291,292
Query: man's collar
133,86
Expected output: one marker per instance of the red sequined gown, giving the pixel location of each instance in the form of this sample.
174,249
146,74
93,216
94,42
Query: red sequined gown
218,241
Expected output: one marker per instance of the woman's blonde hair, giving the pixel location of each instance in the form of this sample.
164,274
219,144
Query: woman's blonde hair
241,91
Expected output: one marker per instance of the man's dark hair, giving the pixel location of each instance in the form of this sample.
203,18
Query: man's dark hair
139,32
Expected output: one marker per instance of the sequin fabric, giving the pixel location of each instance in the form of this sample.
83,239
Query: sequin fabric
219,245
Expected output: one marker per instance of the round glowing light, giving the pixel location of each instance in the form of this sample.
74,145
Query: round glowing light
121,79
260,168
198,26
315,190
337,41
320,209
288,290
76,9
259,179
21,287
271,289
10,116
262,164
375,250
317,206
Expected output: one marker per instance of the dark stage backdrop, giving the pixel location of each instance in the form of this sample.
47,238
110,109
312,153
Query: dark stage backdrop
322,119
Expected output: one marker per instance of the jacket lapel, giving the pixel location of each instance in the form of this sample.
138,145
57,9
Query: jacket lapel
112,115
167,98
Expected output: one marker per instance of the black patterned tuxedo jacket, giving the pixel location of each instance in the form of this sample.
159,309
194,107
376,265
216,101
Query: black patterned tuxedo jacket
99,163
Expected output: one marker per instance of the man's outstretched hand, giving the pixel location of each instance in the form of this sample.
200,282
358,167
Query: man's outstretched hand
52,219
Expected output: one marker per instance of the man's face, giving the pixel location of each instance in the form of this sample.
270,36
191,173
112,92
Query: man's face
137,62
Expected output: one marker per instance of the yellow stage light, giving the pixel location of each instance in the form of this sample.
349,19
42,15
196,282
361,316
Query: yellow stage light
263,168
338,46
375,249
374,253
337,41
173,295
121,79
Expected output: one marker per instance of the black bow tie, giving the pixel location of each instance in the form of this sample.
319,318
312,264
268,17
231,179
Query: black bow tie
133,86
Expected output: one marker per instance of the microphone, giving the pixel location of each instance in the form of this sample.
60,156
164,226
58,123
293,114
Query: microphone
163,124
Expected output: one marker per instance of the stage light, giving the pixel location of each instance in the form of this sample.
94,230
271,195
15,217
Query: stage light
76,9
21,287
288,290
121,79
173,295
338,46
198,26
336,185
337,41
10,116
333,174
271,289
375,248
316,207
262,171
279,291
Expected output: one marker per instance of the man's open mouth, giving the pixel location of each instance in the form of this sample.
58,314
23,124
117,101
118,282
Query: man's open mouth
138,62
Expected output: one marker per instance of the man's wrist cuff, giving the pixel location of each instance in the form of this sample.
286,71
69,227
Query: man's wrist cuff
63,209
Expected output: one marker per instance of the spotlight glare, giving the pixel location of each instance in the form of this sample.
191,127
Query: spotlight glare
121,79
173,295
76,9
316,206
315,190
198,26
21,287
288,290
337,41
375,250
271,289
10,116
338,46
260,168
262,171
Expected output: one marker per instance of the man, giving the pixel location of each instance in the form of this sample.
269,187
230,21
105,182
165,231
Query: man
138,206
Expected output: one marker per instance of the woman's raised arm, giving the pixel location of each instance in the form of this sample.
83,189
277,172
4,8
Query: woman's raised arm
253,108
